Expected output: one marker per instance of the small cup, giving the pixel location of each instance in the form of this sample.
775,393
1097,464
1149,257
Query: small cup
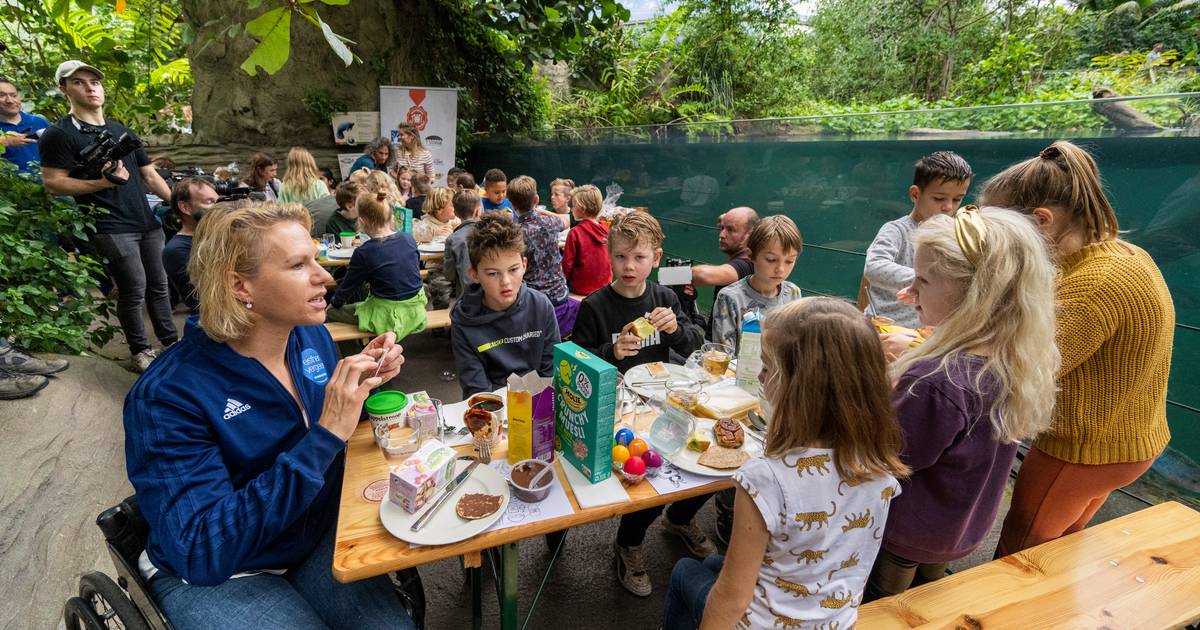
715,357
346,239
686,395
520,480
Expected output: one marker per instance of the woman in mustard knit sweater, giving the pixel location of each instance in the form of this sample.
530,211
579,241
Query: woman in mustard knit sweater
1115,327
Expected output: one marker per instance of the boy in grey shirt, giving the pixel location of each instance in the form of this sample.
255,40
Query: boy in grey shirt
940,181
774,246
467,206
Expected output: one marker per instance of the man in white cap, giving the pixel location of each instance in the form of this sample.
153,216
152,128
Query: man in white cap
127,236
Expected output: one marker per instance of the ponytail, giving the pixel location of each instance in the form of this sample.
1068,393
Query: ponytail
1063,176
374,210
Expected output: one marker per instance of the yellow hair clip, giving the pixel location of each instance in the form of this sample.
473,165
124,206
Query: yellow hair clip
971,233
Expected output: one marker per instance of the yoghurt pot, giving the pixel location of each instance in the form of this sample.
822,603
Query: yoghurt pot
387,411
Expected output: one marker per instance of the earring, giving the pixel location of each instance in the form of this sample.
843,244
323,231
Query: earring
249,305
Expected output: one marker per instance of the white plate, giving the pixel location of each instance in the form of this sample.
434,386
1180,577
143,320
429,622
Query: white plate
656,390
446,527
689,460
432,248
342,253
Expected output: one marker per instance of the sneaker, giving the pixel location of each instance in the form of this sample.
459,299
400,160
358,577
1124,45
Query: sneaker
724,524
17,362
696,542
143,359
631,570
13,385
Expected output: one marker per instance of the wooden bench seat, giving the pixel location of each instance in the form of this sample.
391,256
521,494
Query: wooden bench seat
1141,570
347,332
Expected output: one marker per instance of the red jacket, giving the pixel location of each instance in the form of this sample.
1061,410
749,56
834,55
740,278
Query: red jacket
585,259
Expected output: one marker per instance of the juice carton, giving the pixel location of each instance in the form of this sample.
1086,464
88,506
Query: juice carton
414,482
585,399
530,418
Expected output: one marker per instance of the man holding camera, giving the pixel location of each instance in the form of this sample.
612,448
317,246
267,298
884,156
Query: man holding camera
191,197
127,236
19,130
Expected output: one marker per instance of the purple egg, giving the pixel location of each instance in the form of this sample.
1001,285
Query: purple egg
624,437
652,459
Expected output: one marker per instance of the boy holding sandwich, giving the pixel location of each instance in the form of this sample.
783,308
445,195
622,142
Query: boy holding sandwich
630,322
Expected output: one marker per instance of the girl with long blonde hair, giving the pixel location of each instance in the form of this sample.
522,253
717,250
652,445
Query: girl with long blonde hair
1115,325
982,382
381,182
302,179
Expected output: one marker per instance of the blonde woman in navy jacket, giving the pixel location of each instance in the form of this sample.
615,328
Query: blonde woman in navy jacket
235,438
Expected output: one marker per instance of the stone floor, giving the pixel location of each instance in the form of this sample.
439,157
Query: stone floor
63,462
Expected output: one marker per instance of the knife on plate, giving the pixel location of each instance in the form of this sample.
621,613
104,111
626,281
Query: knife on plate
441,500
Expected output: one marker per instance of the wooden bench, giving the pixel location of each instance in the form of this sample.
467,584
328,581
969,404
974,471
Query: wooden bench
434,320
1140,570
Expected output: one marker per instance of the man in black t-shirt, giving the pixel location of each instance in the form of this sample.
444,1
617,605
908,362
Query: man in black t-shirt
736,226
127,235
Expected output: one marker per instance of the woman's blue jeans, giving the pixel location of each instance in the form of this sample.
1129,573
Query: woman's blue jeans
306,597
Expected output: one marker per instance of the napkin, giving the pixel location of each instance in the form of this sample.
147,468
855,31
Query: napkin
590,495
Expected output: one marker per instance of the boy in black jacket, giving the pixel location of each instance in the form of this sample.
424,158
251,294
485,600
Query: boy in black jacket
499,325
605,327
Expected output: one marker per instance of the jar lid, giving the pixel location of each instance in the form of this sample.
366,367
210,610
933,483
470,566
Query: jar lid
346,234
387,402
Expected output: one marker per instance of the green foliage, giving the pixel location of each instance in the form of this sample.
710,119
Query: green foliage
323,104
47,301
1139,25
273,29
140,51
537,30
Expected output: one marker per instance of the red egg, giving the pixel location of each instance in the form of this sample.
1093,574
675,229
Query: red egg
652,459
635,466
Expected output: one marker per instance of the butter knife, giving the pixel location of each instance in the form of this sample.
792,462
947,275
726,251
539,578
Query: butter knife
431,510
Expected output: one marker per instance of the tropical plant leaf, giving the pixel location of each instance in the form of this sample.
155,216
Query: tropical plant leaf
273,29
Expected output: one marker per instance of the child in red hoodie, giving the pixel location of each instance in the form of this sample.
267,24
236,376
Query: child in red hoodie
585,259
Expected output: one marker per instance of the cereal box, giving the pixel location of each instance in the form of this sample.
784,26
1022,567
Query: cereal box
585,399
419,477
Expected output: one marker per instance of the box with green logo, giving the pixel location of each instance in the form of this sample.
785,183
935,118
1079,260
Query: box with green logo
585,406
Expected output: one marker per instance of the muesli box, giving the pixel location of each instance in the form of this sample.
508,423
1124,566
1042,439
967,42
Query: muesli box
585,405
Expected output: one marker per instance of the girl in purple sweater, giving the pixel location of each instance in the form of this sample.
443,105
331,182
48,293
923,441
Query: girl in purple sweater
964,398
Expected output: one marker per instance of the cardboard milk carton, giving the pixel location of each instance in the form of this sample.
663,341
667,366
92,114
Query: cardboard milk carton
414,482
585,405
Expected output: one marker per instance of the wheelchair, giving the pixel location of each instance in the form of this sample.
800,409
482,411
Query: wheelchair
127,604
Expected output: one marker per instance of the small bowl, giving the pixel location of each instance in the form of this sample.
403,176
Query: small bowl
526,494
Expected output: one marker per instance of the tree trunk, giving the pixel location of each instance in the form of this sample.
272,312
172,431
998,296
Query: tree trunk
234,113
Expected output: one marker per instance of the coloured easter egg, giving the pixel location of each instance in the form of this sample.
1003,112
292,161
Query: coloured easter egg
624,437
652,459
637,447
620,454
635,466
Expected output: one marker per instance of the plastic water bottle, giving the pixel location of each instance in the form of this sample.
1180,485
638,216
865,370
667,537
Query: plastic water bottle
749,360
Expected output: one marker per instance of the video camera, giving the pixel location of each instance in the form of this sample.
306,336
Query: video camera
227,190
105,150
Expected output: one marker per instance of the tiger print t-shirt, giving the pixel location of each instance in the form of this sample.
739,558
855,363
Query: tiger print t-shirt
825,534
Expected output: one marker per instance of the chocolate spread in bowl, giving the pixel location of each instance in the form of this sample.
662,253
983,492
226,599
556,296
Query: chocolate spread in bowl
524,473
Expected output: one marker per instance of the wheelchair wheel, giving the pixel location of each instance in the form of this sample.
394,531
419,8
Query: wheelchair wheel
411,592
110,603
78,615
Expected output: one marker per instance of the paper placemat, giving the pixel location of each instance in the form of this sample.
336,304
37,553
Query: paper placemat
590,495
555,504
672,479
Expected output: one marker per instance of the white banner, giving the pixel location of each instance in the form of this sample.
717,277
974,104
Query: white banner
345,161
433,111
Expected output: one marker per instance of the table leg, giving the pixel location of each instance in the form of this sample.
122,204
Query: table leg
476,576
509,555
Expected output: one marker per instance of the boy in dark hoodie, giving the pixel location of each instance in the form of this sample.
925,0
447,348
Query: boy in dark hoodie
467,207
499,325
585,258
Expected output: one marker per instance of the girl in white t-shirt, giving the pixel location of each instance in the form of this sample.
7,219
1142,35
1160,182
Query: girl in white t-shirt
809,514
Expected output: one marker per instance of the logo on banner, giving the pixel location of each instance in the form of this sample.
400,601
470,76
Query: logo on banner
417,116
433,141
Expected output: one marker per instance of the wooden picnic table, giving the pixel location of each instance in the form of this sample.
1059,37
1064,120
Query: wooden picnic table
1141,570
365,549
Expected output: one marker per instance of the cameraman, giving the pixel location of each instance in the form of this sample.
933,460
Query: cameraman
127,235
17,128
191,197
